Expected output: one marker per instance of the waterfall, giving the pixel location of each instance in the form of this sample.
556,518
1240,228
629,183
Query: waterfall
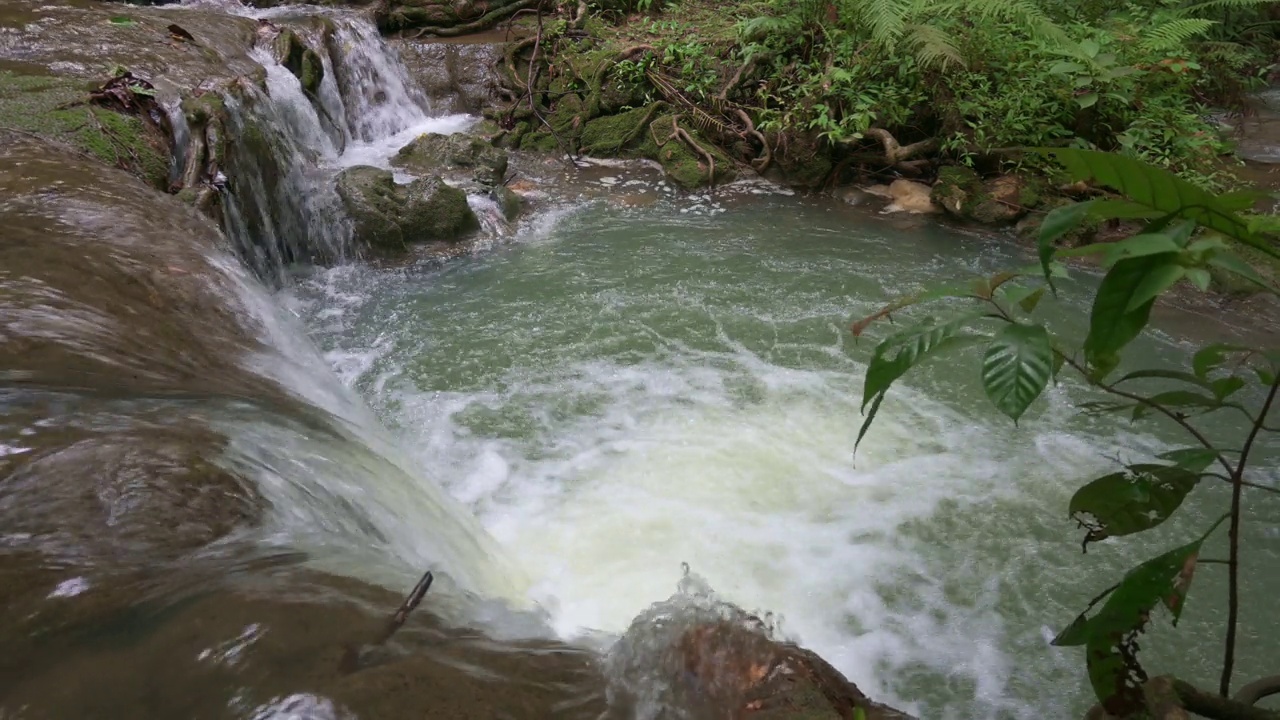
280,206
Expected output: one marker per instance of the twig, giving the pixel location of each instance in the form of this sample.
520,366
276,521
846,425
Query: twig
350,661
1233,586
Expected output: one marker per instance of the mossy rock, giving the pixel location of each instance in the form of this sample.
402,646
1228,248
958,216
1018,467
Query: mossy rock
436,154
305,64
58,109
995,201
684,166
806,161
387,216
509,203
617,135
539,141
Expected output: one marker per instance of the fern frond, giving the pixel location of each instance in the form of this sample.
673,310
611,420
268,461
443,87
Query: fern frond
1174,34
933,46
760,28
1222,5
884,19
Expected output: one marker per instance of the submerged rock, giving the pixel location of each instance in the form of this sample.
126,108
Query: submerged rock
509,203
436,154
388,216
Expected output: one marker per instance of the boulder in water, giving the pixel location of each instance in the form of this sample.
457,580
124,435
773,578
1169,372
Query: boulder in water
997,201
436,154
388,216
299,59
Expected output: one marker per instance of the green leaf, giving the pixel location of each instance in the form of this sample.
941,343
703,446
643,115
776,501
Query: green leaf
1029,303
1115,676
123,21
1194,460
1065,68
898,353
1155,282
1158,189
1057,223
1112,324
1138,246
866,424
1224,388
1242,200
1200,278
1233,264
1137,499
1185,398
1017,368
1087,100
1153,373
1209,358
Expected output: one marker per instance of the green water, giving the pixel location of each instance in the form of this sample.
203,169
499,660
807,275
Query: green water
616,391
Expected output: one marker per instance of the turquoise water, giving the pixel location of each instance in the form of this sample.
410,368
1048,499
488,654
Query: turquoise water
618,390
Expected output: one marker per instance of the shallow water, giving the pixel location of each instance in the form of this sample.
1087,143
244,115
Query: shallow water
621,390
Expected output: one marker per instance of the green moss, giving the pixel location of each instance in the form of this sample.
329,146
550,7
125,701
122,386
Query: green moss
299,59
617,135
57,108
684,166
539,141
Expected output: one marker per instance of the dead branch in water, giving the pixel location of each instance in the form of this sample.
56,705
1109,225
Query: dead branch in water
350,661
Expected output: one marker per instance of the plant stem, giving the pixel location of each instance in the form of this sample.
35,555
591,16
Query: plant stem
1233,586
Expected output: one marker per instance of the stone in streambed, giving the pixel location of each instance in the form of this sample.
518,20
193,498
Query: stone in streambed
388,216
446,155
996,201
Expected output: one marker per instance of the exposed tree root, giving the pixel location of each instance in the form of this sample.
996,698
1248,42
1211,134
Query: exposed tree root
1168,698
761,163
485,22
895,153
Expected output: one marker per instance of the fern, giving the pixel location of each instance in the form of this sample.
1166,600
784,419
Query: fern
1223,5
933,46
1174,34
885,19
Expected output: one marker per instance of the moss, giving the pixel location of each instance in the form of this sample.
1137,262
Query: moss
57,108
680,162
617,135
539,141
299,59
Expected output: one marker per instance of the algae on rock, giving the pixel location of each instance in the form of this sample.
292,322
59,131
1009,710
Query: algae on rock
387,217
436,154
57,108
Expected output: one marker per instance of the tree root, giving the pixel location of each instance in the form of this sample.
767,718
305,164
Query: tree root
761,163
895,153
1168,698
485,22
679,133
742,70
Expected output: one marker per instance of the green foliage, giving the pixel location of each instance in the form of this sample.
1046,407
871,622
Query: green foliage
1188,230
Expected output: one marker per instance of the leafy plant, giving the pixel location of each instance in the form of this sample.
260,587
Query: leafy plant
1187,234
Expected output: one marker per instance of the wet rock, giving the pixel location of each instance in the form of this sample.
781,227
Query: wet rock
997,201
509,203
910,197
457,77
58,108
305,64
388,216
681,162
436,154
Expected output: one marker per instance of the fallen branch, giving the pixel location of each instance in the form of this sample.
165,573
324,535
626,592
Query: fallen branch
1168,698
350,661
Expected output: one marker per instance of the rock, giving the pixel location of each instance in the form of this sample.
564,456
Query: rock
435,211
299,59
997,201
436,154
388,216
458,77
910,197
684,166
508,202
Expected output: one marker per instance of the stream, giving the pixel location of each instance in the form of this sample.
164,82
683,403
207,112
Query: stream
631,392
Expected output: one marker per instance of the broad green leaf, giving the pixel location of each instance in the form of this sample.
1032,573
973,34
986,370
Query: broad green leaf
899,352
1224,388
1114,675
1122,503
1178,375
1029,303
1186,398
1139,245
1158,189
1265,376
1017,367
1200,278
1057,223
1233,264
1064,68
866,424
1242,200
1207,359
1193,460
1155,282
1112,325
1087,100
